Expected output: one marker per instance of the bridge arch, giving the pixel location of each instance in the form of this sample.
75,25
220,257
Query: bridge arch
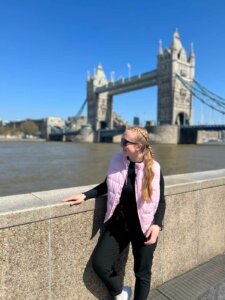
182,119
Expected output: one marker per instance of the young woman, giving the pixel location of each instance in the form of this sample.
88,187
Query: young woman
135,209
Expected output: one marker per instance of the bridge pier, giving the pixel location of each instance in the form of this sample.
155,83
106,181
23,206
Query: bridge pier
164,134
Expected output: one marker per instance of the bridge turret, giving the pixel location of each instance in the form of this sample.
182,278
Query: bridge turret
99,105
191,57
160,52
177,49
99,77
191,60
176,45
174,101
182,55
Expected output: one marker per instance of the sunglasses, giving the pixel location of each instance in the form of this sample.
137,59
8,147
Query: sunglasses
125,142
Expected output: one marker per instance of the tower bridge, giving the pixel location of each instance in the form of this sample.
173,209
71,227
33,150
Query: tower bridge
174,78
174,103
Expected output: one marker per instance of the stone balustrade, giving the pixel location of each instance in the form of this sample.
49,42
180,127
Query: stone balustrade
46,245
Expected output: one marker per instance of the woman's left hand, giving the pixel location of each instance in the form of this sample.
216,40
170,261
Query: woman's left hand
152,234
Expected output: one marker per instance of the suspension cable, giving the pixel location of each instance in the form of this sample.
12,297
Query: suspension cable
204,95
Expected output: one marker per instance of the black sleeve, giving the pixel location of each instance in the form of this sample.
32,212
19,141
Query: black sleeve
159,215
97,191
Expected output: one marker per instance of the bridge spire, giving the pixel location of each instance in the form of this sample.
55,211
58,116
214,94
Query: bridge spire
88,75
176,43
160,52
191,59
99,76
192,54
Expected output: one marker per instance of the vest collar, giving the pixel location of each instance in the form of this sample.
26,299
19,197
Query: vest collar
139,166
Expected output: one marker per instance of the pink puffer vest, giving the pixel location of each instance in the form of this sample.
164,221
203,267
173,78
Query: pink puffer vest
117,174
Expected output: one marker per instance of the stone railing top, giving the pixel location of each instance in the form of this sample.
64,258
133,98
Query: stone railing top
37,206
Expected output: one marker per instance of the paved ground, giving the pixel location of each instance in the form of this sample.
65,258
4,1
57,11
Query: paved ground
206,282
215,293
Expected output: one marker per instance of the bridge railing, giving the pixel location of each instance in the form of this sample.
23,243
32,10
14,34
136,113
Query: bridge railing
204,127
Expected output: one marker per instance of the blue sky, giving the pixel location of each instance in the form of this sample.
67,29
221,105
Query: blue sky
47,47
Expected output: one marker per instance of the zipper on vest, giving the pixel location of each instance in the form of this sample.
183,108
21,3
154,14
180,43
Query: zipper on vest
127,167
127,175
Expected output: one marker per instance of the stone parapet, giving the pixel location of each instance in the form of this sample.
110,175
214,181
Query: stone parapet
46,245
164,134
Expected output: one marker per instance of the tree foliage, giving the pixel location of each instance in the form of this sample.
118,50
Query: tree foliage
29,127
9,131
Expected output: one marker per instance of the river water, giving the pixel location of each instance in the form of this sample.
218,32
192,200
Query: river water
37,166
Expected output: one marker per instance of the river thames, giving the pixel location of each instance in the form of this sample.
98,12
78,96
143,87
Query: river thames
36,166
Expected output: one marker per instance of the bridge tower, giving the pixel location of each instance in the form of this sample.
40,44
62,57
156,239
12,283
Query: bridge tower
174,100
99,105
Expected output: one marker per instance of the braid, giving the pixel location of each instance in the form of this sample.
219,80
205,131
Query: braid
143,138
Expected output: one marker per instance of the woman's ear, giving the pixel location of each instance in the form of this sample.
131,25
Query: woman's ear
140,147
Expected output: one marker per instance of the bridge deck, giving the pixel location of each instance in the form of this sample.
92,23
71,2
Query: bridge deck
125,85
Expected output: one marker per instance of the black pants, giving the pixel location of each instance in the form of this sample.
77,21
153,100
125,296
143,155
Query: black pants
112,242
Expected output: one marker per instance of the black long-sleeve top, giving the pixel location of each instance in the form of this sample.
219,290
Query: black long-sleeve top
127,207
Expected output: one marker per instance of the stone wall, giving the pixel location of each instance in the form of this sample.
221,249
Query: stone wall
204,136
46,245
164,134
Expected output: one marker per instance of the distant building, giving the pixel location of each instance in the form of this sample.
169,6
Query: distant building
76,122
118,121
45,126
54,125
150,123
41,124
136,121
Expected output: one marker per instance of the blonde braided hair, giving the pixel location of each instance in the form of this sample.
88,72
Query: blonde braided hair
142,138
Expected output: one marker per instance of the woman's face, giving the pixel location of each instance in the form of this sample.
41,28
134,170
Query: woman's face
128,142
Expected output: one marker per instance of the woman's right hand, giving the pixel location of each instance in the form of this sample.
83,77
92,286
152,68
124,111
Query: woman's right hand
77,199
